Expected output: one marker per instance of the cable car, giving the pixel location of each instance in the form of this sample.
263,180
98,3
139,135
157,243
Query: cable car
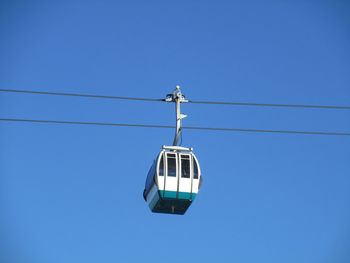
174,178
173,181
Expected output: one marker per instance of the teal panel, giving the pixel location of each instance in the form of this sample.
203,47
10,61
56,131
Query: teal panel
173,195
184,195
168,194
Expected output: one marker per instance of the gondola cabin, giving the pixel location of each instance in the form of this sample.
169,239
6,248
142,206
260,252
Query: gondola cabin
173,181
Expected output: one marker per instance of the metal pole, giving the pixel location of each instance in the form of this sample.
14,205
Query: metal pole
178,121
178,98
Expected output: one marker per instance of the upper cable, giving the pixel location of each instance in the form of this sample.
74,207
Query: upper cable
232,103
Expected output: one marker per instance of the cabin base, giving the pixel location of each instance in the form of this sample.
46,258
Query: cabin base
170,202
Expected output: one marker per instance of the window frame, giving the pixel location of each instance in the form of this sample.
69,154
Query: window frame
167,164
195,167
187,158
161,166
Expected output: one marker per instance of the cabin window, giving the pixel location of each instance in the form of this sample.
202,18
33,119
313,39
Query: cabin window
195,169
185,166
161,167
171,161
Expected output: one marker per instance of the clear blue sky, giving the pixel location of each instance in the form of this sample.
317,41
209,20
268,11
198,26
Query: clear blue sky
74,193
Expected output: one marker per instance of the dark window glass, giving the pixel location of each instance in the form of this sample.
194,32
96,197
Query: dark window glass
195,169
185,166
161,167
171,165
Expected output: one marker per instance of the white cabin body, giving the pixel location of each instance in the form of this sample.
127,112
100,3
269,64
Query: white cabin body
173,180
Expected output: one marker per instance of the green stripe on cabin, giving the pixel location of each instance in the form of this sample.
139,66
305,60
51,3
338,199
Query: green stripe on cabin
181,195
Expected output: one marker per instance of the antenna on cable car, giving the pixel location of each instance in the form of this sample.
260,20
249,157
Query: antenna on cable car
178,98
